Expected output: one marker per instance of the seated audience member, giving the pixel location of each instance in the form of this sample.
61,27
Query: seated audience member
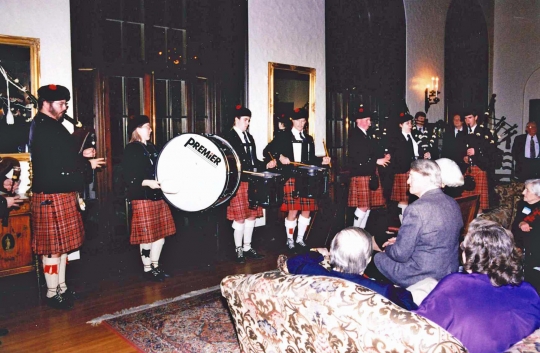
427,242
526,229
451,177
489,308
350,252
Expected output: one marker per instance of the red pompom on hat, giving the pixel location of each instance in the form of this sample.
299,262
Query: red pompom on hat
241,111
52,87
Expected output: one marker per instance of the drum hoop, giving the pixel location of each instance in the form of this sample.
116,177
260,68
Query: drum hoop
223,196
226,197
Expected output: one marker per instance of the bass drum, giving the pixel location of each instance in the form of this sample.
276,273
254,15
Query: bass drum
204,171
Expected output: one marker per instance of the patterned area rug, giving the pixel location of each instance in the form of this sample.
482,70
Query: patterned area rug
186,324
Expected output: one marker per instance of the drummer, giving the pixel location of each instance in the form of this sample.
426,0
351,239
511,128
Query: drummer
238,211
296,146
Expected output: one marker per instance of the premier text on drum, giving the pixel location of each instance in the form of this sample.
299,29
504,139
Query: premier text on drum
203,151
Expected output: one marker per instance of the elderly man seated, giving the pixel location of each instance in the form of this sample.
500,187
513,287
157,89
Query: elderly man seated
426,245
350,252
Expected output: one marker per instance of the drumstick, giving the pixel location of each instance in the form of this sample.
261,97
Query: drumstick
254,173
326,151
271,156
300,164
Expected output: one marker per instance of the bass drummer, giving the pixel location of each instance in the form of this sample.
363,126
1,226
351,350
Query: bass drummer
296,147
238,211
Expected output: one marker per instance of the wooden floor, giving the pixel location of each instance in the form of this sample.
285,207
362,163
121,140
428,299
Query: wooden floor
108,278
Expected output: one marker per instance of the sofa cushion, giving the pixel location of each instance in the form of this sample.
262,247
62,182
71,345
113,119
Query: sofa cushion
277,312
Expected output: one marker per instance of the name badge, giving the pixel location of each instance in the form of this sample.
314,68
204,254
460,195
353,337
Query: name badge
526,210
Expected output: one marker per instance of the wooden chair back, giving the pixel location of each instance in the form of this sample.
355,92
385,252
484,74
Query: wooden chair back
469,206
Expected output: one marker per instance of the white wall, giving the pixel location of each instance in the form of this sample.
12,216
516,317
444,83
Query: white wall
286,32
425,21
50,22
517,58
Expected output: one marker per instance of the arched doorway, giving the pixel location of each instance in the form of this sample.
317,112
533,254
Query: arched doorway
466,58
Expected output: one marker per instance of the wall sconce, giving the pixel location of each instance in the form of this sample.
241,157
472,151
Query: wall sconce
432,95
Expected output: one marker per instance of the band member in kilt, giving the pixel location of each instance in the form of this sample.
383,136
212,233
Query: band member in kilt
364,157
59,169
404,149
239,211
296,146
477,150
151,219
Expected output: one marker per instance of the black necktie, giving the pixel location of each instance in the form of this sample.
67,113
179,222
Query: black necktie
302,136
470,130
248,147
409,140
532,150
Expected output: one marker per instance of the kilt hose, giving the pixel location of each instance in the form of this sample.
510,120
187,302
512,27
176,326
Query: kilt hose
238,208
480,177
400,188
361,196
291,203
57,226
151,221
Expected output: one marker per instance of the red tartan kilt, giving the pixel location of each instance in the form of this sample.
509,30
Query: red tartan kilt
361,196
400,189
238,208
291,203
151,221
57,226
480,177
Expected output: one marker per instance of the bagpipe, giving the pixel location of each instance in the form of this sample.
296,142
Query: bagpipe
85,136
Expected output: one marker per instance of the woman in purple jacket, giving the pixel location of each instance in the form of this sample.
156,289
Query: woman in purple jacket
350,253
489,308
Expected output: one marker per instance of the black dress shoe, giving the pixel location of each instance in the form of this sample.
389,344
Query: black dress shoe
69,295
162,272
252,254
153,275
240,256
59,302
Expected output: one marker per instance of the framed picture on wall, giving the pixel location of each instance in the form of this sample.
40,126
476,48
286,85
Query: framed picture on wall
19,73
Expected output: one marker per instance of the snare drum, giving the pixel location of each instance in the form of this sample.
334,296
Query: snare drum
311,181
265,189
204,168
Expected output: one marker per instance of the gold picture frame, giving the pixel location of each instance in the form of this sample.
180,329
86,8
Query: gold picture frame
20,58
311,74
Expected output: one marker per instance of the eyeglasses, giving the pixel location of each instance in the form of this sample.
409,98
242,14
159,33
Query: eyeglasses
61,104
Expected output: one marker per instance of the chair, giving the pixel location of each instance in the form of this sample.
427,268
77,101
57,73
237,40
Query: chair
468,205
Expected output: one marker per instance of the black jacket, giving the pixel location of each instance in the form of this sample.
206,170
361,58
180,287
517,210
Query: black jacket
283,145
139,164
484,148
245,159
526,168
452,143
364,151
402,155
56,163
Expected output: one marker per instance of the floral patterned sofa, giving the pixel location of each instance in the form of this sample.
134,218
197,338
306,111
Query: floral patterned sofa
508,195
275,312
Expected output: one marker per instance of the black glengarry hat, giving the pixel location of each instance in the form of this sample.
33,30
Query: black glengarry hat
404,117
300,113
240,111
52,93
136,121
361,113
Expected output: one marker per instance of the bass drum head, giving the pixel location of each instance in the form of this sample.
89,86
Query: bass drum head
198,168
